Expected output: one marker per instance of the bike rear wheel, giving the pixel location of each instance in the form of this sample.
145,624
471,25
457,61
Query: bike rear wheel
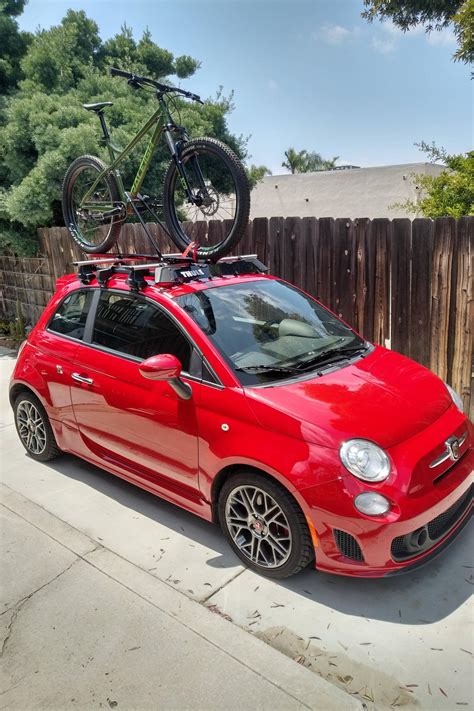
221,190
84,218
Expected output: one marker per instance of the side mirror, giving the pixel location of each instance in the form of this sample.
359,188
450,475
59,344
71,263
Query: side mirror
166,367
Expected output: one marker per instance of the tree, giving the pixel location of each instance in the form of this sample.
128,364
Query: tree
256,173
449,194
306,162
315,162
433,14
43,126
13,44
295,161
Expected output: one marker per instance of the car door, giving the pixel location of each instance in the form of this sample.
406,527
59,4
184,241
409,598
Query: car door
138,425
55,350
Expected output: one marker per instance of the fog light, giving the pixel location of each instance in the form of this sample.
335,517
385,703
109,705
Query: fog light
372,504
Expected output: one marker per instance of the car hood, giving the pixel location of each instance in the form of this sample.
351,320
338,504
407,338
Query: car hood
384,397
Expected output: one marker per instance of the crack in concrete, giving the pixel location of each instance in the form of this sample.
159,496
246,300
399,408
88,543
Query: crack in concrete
10,688
19,605
214,592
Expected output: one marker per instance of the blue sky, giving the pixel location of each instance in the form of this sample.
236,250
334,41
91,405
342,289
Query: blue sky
306,73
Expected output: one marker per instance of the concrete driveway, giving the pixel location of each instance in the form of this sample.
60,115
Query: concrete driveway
403,641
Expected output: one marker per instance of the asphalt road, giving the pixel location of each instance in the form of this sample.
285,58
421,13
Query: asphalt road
404,641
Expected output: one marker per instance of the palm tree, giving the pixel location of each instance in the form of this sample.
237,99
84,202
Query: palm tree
295,161
305,162
316,162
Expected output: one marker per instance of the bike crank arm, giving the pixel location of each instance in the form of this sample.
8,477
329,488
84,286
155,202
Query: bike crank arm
102,217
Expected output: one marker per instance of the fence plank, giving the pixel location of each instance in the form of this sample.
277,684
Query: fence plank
275,245
324,274
260,238
463,313
444,235
343,270
400,250
420,317
291,247
381,237
365,281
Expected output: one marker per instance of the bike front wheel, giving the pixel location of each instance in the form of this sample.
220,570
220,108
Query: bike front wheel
86,214
218,214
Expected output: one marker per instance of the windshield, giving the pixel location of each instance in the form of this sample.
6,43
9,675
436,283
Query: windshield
268,331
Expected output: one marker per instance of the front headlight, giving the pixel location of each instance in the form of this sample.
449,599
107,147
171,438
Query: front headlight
455,398
365,460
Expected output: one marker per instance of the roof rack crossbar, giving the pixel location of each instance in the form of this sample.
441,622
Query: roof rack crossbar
169,269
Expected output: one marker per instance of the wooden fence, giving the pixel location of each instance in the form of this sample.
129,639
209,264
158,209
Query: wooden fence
401,283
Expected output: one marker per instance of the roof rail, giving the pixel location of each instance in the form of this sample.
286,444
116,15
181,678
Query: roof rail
171,268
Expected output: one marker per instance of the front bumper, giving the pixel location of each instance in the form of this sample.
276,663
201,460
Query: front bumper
370,542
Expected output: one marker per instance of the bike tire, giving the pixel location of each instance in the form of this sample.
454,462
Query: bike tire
220,152
78,166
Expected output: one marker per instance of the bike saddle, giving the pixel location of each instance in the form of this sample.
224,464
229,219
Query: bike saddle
97,107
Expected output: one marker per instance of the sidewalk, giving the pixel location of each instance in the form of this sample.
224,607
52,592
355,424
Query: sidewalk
83,628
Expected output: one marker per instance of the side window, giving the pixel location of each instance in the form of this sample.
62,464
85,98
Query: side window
70,318
136,327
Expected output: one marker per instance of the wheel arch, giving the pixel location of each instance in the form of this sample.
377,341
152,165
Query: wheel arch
222,476
20,387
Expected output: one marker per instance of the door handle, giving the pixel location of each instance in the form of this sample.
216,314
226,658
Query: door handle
82,379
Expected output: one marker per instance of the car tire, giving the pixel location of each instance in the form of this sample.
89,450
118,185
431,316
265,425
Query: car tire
264,525
34,429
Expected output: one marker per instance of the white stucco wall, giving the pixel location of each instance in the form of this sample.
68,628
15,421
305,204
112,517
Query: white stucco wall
361,192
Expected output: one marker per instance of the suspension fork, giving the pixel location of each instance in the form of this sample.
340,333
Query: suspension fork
175,149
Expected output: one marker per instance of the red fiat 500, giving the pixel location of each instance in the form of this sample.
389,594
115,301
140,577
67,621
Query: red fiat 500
240,398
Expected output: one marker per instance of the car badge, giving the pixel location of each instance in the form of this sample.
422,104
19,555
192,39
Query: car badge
452,445
452,450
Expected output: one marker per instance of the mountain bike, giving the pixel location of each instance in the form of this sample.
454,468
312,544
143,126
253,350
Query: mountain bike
205,201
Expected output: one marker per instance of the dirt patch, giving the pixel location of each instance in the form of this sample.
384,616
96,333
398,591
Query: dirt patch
371,686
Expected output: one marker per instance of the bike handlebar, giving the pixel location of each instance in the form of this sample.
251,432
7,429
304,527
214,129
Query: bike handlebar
136,81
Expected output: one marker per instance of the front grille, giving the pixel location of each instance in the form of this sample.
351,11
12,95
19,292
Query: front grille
348,545
421,540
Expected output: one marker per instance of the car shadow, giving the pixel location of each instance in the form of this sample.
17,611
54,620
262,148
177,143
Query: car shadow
424,596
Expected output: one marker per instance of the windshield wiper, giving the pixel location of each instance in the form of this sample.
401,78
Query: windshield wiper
331,356
257,369
321,359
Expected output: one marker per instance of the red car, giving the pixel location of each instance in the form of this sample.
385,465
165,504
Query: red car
242,399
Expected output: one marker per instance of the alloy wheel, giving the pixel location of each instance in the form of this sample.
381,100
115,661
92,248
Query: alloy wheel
31,427
258,526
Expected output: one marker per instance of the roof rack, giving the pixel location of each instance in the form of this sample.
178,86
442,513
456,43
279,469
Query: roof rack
170,269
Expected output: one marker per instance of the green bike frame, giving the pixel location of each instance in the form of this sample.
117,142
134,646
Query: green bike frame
117,155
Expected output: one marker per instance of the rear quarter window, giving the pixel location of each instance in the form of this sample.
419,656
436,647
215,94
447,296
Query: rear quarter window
71,315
